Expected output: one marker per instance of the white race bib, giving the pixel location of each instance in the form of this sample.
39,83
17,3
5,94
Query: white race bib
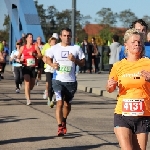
65,69
133,107
31,62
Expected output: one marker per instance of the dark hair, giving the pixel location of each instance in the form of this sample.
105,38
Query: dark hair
66,29
141,21
115,38
28,35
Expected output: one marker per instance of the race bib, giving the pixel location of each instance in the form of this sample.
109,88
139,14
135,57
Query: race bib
133,107
65,69
31,62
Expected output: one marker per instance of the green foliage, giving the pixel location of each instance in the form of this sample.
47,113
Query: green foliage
127,17
4,34
147,20
106,35
106,16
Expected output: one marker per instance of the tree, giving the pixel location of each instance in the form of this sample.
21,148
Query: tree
106,16
126,17
106,35
147,20
4,34
42,15
6,23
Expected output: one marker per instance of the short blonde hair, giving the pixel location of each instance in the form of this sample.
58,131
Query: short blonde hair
131,32
52,38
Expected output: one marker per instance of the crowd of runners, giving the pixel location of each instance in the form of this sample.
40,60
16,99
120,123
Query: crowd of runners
130,75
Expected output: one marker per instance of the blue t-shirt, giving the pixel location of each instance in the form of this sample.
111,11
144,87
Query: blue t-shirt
6,50
147,51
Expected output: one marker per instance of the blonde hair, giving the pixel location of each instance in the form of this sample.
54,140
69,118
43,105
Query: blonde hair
52,38
131,32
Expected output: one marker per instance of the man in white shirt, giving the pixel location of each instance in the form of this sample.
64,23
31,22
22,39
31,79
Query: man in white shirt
63,58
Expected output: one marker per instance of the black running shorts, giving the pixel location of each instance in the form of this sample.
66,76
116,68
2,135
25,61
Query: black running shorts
139,124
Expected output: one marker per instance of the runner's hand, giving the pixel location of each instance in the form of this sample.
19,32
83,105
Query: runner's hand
55,66
146,75
111,83
71,57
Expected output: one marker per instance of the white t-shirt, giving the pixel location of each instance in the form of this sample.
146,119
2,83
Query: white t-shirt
66,72
15,53
48,68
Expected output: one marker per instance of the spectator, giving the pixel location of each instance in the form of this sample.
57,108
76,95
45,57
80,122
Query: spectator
86,48
94,55
115,48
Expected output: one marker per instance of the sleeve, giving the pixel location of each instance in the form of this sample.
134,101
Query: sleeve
80,54
122,54
50,53
12,54
113,73
45,47
43,50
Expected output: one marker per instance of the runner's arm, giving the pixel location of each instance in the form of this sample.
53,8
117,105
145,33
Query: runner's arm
1,57
49,61
39,55
80,63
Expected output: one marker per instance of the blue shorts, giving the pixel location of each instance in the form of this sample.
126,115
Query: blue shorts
64,90
139,124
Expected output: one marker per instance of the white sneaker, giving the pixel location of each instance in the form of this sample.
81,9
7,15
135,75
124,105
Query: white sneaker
20,86
17,91
45,95
28,102
37,83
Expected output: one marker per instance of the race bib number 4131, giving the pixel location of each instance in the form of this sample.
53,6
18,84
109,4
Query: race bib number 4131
133,107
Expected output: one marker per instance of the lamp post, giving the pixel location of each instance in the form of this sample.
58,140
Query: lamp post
73,20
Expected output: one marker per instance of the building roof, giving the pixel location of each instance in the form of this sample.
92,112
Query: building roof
94,29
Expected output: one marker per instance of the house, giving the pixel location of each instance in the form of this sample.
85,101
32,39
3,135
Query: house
94,29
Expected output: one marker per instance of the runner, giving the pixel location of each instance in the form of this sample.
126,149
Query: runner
1,62
64,79
132,76
49,75
29,52
40,61
17,67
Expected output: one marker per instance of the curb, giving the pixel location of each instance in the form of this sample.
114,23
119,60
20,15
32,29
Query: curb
96,91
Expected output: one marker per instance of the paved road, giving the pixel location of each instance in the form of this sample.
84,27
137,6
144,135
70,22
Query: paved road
90,124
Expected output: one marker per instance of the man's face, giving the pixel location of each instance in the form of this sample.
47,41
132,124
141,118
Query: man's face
141,28
38,39
65,37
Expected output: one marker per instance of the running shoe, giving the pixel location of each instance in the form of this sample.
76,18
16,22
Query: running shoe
17,90
64,127
60,131
48,101
28,102
51,104
20,86
37,83
45,95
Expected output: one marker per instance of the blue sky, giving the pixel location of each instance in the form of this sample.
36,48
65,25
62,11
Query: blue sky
90,7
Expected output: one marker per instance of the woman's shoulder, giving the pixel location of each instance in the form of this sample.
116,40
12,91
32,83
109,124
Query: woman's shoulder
120,63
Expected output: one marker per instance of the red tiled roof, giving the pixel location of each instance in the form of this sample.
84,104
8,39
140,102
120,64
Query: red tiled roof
94,29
